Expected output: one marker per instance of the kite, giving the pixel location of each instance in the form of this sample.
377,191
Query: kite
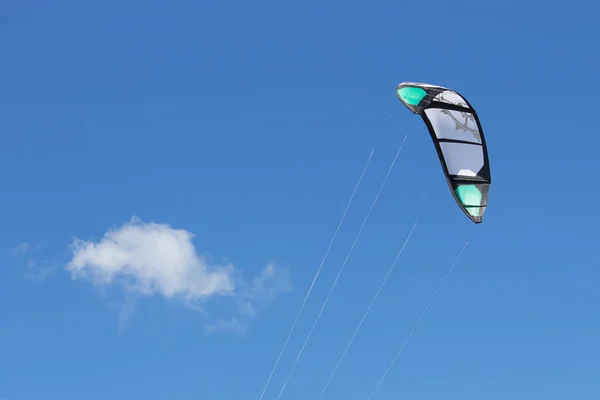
458,138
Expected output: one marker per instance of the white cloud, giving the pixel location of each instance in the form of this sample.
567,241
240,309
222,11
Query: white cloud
41,270
35,269
22,248
264,289
156,259
253,296
153,259
233,324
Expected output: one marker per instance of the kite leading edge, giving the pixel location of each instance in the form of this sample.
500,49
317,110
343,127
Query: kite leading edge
458,138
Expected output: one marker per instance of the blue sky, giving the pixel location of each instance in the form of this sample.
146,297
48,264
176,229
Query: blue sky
217,145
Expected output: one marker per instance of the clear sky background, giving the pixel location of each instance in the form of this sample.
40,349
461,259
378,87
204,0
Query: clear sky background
239,130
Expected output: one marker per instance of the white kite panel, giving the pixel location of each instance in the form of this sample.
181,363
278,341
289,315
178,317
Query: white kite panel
450,124
462,159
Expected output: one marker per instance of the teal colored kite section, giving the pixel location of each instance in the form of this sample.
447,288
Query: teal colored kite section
469,195
411,95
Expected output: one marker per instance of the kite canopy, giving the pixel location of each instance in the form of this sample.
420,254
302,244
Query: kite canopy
458,138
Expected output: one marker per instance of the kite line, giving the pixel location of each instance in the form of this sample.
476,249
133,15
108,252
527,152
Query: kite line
418,321
368,310
317,274
342,268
